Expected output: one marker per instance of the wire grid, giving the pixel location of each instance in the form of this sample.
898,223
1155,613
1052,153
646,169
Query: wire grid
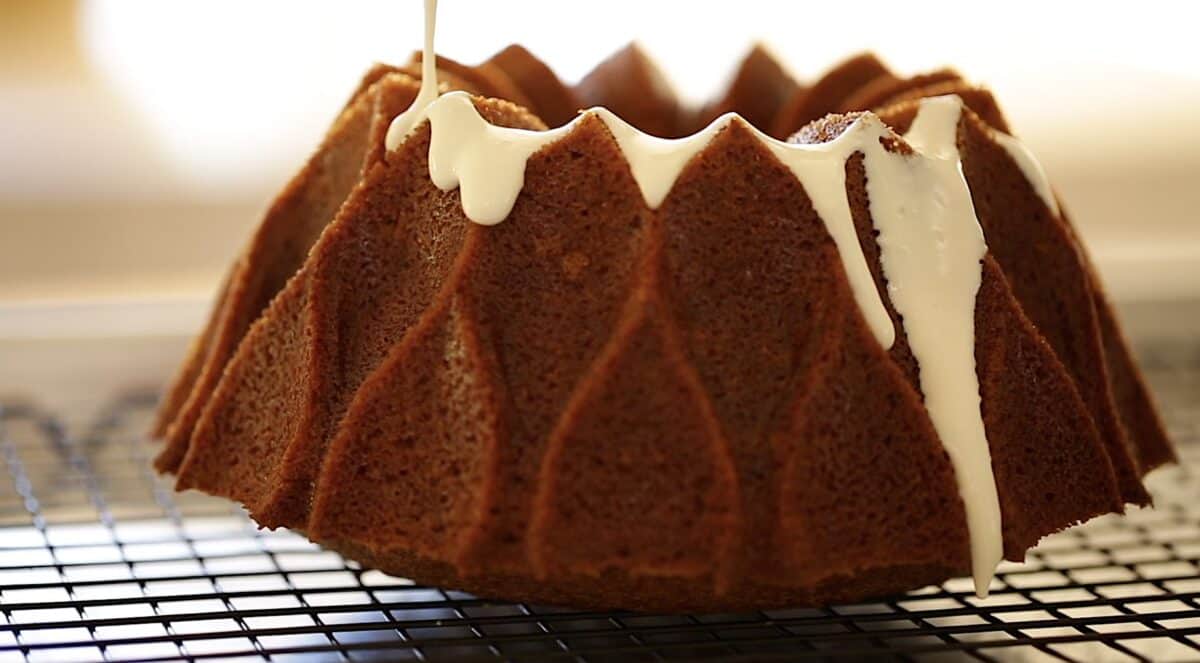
101,560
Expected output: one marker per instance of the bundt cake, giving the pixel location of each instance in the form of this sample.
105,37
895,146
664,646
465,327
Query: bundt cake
836,342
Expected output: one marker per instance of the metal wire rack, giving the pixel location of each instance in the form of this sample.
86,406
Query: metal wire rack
101,560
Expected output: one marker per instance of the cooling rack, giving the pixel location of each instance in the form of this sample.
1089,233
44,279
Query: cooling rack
101,560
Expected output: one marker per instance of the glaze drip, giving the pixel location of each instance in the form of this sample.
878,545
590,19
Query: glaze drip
1031,168
931,250
930,240
403,123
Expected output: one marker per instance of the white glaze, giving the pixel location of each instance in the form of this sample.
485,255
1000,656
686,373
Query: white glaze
403,123
1030,166
931,244
931,249
488,163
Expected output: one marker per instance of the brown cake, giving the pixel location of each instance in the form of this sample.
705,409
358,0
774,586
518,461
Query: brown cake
605,403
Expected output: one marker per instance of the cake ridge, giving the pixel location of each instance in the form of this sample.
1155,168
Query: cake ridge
886,85
553,101
548,538
757,89
305,206
324,521
633,86
826,94
537,285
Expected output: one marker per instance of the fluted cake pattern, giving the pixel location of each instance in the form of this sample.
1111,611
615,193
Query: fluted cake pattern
602,404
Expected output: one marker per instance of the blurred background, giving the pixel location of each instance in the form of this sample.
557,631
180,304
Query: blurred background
141,139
